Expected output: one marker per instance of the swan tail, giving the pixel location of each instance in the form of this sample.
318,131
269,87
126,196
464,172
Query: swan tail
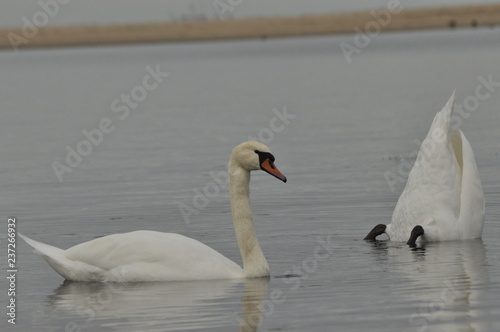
58,260
43,249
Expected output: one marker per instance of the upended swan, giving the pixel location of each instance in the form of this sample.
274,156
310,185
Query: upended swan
443,198
155,256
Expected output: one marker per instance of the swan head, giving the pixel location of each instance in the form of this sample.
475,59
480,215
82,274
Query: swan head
253,156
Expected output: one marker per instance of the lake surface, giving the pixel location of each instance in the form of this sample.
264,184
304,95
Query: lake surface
337,130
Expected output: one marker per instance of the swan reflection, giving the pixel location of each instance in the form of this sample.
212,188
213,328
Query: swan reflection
447,282
158,306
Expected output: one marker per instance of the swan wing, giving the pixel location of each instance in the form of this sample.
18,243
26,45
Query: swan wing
433,190
471,219
154,256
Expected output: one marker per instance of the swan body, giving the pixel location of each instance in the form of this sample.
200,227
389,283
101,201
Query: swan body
443,198
156,256
129,257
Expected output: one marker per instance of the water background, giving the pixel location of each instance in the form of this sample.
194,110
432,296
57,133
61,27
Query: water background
349,126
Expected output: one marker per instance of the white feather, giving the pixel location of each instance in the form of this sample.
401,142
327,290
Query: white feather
443,193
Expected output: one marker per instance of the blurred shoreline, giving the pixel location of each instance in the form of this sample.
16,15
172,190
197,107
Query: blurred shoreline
35,33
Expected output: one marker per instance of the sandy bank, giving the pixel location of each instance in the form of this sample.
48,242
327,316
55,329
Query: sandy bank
386,19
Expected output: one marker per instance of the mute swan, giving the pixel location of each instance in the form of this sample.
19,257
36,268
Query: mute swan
155,256
443,198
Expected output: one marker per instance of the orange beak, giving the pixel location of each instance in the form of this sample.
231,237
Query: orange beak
269,167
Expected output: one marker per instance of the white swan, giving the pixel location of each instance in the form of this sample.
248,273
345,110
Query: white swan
155,256
443,198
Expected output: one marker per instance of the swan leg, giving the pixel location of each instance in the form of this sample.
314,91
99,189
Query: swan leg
415,233
376,231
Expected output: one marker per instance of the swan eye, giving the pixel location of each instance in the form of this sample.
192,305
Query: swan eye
264,155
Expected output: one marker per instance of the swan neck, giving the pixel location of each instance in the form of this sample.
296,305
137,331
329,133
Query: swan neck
254,261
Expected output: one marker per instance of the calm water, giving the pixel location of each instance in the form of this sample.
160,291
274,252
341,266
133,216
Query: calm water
336,128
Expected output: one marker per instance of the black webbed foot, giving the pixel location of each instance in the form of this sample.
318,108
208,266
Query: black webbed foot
376,231
415,233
